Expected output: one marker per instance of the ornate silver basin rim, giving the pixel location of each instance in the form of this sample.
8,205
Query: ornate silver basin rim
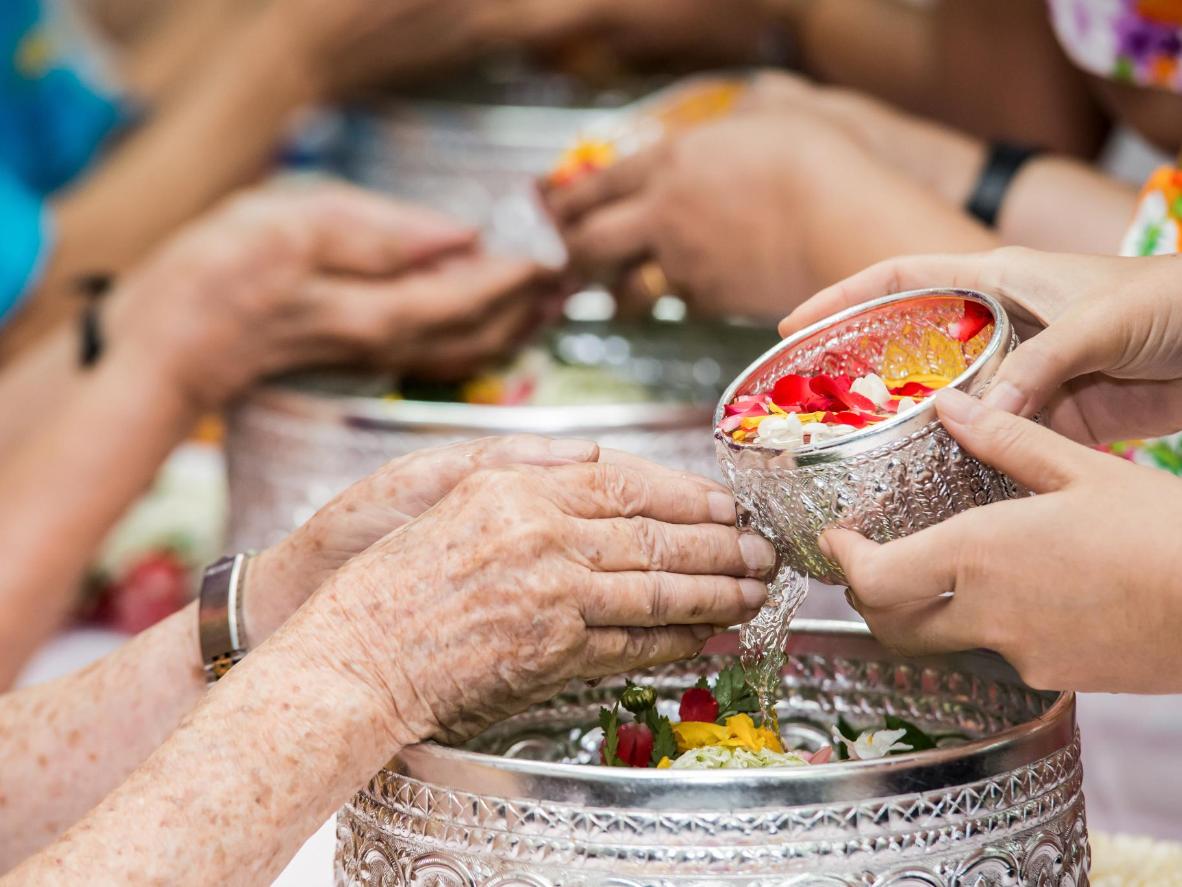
887,480
1004,808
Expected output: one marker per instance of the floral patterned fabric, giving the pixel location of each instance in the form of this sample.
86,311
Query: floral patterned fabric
1157,226
1132,41
1156,231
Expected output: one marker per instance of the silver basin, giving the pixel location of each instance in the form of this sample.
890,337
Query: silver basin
1003,808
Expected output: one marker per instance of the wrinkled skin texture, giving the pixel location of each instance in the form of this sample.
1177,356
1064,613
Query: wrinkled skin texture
1077,586
750,214
318,275
285,575
523,578
1103,356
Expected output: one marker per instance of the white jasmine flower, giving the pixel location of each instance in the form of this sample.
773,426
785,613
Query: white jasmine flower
780,431
905,403
872,744
873,388
818,432
720,758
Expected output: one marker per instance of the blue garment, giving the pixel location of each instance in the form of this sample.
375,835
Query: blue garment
52,122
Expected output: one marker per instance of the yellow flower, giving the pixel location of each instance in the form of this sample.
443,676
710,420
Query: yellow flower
698,734
740,732
665,763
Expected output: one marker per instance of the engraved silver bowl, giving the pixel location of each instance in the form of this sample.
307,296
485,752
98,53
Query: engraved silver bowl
293,445
512,810
887,480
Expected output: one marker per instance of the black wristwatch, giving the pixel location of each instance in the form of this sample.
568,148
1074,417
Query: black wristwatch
1001,167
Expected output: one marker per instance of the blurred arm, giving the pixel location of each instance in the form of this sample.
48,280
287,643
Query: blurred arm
64,485
992,69
216,133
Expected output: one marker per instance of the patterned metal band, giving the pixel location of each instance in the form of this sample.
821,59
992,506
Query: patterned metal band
986,814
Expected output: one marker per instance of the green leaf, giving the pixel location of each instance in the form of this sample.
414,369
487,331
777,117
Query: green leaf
664,742
844,728
609,720
723,687
702,683
913,736
734,694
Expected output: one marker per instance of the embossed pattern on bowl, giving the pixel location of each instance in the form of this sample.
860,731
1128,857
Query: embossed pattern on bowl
885,481
1004,808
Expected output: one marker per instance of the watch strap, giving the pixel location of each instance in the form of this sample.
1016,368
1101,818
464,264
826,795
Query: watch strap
1001,167
221,627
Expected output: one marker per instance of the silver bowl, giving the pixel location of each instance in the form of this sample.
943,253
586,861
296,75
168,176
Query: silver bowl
293,445
887,480
514,810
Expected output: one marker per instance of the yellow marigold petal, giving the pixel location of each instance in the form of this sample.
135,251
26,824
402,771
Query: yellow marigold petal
771,740
665,763
697,734
741,733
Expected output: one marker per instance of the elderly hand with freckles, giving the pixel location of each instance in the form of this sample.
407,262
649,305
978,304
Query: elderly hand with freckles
451,589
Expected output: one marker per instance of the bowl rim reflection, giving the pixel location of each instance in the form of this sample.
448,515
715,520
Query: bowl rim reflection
1008,750
871,436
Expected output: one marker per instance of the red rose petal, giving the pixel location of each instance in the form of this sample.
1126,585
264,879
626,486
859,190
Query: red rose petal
848,417
912,389
976,318
837,388
791,390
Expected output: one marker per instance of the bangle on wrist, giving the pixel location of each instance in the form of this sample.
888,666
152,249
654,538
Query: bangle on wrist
221,626
1002,164
92,287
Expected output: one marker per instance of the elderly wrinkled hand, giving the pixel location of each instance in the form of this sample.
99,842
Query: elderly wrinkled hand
286,574
1075,586
305,276
522,578
1102,358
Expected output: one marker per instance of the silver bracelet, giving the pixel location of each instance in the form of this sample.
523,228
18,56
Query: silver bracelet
221,627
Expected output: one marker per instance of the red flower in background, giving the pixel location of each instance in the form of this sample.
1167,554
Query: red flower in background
155,588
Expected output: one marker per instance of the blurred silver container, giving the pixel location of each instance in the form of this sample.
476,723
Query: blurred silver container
476,150
887,480
512,810
295,444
